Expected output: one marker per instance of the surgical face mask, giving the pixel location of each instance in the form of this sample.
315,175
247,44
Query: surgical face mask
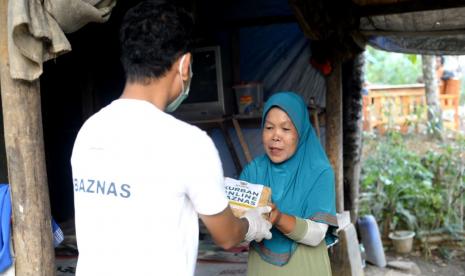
184,89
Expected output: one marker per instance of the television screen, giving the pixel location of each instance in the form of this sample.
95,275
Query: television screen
210,93
204,85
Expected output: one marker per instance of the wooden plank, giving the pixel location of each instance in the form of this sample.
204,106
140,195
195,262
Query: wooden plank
373,87
394,94
32,233
345,255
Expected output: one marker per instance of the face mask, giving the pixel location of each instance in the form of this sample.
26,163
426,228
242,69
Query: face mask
184,90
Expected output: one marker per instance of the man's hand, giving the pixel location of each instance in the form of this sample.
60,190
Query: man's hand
259,227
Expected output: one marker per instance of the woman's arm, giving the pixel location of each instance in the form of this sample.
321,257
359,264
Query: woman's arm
284,222
308,232
301,230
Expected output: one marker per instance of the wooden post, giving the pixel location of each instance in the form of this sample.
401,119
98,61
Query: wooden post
345,256
334,130
32,234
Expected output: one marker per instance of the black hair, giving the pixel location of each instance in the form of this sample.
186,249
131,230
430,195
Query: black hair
153,35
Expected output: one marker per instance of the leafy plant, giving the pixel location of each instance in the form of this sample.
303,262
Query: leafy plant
409,189
394,184
448,165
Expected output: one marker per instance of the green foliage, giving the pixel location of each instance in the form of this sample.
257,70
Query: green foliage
394,184
405,189
391,68
412,58
448,165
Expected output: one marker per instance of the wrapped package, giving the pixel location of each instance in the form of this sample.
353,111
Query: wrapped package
243,195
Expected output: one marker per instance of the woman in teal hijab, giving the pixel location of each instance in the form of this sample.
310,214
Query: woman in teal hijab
296,168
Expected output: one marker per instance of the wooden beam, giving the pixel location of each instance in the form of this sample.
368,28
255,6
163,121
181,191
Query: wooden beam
408,6
32,233
334,130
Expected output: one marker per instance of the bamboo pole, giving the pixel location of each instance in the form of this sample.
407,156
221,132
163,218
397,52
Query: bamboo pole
32,235
334,130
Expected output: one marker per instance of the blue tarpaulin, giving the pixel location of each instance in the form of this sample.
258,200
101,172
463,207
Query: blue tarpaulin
278,55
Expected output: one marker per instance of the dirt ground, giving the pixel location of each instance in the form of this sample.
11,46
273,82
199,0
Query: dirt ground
434,266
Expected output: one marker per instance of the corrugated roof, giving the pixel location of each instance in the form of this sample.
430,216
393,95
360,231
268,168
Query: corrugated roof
422,32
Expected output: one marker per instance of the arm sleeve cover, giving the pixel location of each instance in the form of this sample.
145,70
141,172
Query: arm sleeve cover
308,232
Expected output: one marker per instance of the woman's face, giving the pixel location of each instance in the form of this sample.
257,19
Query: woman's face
279,137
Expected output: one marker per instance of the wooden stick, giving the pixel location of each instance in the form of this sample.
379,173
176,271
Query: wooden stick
242,141
316,123
32,232
230,145
314,117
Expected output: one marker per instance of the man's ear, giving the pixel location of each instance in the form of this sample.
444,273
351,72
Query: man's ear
185,66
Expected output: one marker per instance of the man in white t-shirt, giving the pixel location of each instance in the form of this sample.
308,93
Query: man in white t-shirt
141,177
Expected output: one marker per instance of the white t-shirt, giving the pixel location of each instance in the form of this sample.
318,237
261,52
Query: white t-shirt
140,178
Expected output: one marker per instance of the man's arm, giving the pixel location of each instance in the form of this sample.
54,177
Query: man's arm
225,229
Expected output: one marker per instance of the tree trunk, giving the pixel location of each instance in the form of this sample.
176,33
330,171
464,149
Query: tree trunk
432,96
32,230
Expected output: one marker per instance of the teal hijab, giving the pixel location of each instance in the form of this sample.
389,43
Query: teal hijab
302,186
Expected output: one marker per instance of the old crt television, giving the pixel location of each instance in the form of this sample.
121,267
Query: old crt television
210,91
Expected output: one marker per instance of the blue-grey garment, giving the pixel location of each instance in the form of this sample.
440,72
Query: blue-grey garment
5,212
5,228
302,186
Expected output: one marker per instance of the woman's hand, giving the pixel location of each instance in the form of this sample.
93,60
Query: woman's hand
283,222
275,214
